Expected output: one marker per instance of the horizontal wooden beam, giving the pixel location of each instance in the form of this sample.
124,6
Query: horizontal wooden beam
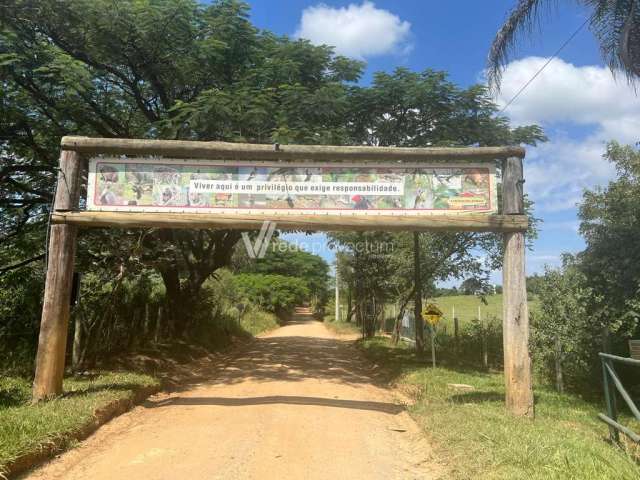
459,222
250,151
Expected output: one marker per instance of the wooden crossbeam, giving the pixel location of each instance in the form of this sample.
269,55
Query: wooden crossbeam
250,151
459,222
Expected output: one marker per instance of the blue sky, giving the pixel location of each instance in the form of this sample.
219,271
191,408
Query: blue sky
575,99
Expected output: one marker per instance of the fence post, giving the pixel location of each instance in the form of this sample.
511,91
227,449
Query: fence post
54,323
610,400
515,315
485,348
456,333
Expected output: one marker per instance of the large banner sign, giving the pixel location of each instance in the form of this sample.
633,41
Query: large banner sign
164,185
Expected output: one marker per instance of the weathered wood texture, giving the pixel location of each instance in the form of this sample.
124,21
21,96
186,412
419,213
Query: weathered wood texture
512,187
57,294
634,349
250,151
515,316
461,222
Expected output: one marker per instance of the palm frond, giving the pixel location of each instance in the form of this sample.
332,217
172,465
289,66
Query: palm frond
521,19
616,25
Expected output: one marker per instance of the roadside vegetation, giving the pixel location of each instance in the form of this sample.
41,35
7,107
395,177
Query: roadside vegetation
342,327
28,429
461,409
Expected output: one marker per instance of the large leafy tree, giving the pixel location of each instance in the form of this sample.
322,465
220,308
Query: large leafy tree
426,109
610,223
150,69
615,23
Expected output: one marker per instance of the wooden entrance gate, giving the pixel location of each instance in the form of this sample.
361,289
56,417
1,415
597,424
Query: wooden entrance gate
66,218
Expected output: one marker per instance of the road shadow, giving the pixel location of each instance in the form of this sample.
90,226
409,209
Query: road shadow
291,359
389,408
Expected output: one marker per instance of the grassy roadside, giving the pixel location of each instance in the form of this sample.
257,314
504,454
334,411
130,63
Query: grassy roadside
258,322
342,328
479,440
26,428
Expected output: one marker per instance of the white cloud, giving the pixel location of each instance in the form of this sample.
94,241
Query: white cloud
588,95
588,99
561,226
357,31
557,172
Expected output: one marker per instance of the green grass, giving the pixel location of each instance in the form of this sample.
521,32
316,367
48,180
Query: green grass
477,438
24,428
257,322
466,308
341,327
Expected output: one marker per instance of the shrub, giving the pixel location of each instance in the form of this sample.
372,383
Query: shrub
274,293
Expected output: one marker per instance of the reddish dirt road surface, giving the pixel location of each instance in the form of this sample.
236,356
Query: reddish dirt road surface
298,403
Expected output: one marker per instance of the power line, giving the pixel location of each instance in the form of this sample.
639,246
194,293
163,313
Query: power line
523,88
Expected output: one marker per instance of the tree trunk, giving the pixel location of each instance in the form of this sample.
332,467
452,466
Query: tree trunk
174,301
78,341
417,310
159,318
147,322
349,304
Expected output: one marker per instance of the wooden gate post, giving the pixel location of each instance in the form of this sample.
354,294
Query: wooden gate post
515,311
54,323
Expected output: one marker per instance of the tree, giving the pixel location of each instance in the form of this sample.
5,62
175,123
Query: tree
566,337
422,109
534,283
363,261
615,23
591,302
150,69
471,286
425,109
610,223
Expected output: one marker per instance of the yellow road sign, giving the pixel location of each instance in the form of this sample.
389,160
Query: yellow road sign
431,314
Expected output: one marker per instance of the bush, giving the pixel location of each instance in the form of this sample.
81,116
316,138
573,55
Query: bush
567,329
275,293
20,306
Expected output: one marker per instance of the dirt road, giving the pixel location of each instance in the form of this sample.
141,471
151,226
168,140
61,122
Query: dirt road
296,404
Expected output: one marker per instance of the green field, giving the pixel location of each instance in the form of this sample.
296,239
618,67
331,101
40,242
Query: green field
466,308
